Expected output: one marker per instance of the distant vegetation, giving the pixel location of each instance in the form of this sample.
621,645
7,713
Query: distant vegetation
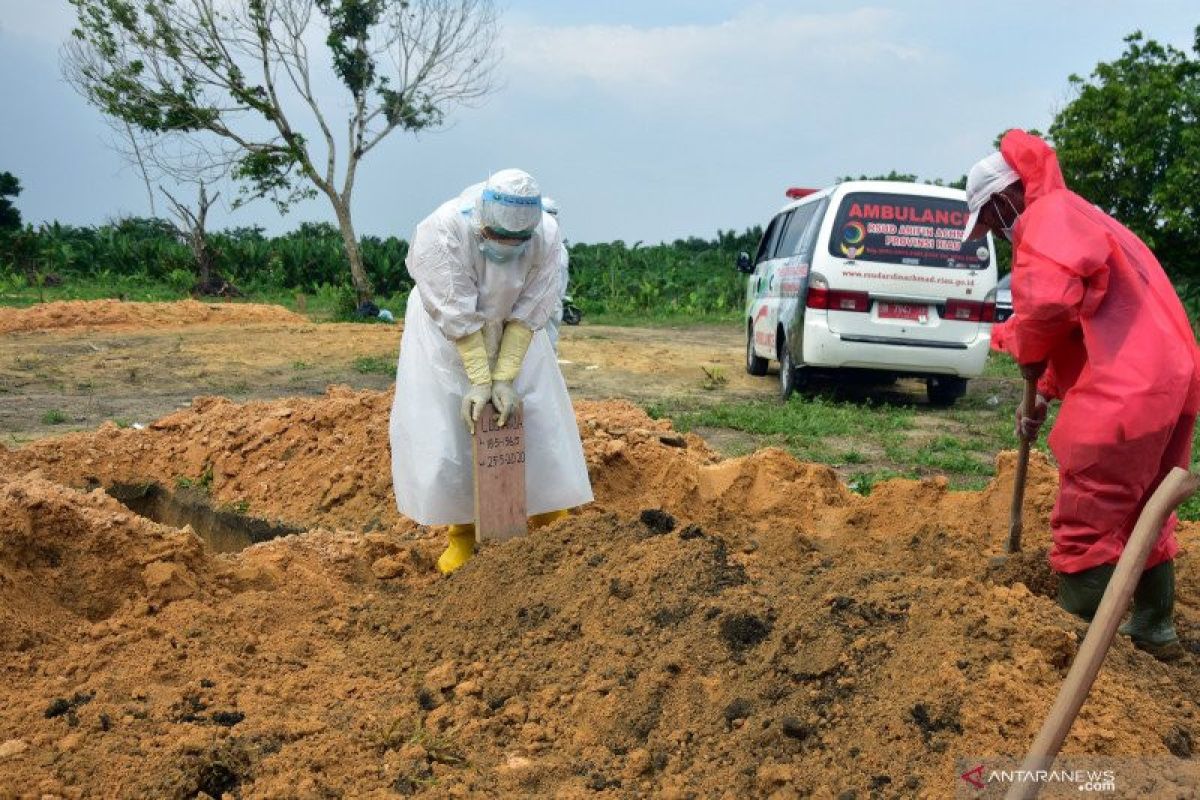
147,259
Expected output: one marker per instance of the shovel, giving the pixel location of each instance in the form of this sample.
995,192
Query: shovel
1175,488
1018,499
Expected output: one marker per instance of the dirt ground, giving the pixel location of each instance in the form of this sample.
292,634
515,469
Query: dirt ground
135,375
124,373
709,627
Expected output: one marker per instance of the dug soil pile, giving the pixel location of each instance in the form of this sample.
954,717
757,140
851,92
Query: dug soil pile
118,314
710,628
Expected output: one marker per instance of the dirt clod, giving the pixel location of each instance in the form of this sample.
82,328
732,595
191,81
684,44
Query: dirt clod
740,708
227,719
930,725
658,521
1179,742
743,631
797,729
58,706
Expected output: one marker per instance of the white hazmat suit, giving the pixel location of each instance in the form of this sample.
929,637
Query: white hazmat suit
458,292
554,324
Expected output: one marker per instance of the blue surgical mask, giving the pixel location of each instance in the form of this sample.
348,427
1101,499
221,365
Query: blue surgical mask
501,253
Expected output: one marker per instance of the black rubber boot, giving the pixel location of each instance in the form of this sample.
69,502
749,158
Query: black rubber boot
1150,625
1080,592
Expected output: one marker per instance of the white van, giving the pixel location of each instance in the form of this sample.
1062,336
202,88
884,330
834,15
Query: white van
871,275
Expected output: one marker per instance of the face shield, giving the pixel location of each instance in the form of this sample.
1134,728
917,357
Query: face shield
508,211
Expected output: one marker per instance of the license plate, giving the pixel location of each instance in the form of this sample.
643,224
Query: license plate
906,311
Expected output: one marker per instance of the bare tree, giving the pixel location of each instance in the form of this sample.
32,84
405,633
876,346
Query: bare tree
241,72
192,225
184,159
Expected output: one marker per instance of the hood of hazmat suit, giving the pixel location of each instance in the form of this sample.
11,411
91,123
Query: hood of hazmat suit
1091,299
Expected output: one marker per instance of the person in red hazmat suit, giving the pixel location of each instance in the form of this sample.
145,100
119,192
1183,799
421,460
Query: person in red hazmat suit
1097,323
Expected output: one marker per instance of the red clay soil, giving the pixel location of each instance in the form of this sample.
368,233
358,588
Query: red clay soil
738,628
115,313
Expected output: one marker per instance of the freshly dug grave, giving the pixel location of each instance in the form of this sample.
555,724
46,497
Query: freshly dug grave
325,461
115,313
713,629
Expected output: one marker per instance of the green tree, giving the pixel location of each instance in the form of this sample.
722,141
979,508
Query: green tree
907,177
1129,141
240,74
10,217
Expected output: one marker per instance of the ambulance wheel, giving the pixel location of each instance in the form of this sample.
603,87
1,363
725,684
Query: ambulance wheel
790,376
754,364
944,390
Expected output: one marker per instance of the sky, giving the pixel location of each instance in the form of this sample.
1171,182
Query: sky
648,121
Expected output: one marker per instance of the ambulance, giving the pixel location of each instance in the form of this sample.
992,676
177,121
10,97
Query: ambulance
871,275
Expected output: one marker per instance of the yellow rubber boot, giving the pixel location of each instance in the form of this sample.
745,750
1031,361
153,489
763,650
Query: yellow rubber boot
459,550
542,520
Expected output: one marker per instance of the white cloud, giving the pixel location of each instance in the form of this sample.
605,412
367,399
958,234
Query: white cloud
753,49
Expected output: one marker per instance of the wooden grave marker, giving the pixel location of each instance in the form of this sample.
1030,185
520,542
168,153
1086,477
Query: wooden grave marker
499,456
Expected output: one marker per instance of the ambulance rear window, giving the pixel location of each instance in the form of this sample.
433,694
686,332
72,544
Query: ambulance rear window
905,229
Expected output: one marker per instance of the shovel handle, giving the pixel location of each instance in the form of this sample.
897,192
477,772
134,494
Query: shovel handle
1018,499
1174,489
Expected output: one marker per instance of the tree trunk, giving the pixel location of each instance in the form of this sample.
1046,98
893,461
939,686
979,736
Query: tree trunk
363,290
204,258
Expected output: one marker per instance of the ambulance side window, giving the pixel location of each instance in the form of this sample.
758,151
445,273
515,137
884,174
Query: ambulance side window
808,240
789,242
766,248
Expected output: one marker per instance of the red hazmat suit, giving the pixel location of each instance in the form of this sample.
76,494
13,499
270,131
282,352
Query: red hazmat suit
1091,299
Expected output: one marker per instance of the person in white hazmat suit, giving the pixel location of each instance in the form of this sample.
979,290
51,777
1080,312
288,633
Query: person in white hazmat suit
486,269
554,324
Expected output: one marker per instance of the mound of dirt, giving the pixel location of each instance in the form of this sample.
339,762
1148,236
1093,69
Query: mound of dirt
115,313
66,556
709,628
325,460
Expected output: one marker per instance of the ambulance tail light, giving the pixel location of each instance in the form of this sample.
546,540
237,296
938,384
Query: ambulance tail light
820,296
972,310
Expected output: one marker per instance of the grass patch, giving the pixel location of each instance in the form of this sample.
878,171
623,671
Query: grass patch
203,483
1190,510
853,457
20,294
54,417
880,437
1001,365
809,427
374,365
952,455
240,507
864,482
803,419
714,377
660,320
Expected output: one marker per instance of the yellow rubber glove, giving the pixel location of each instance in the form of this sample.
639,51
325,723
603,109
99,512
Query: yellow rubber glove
506,401
513,345
475,361
474,357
